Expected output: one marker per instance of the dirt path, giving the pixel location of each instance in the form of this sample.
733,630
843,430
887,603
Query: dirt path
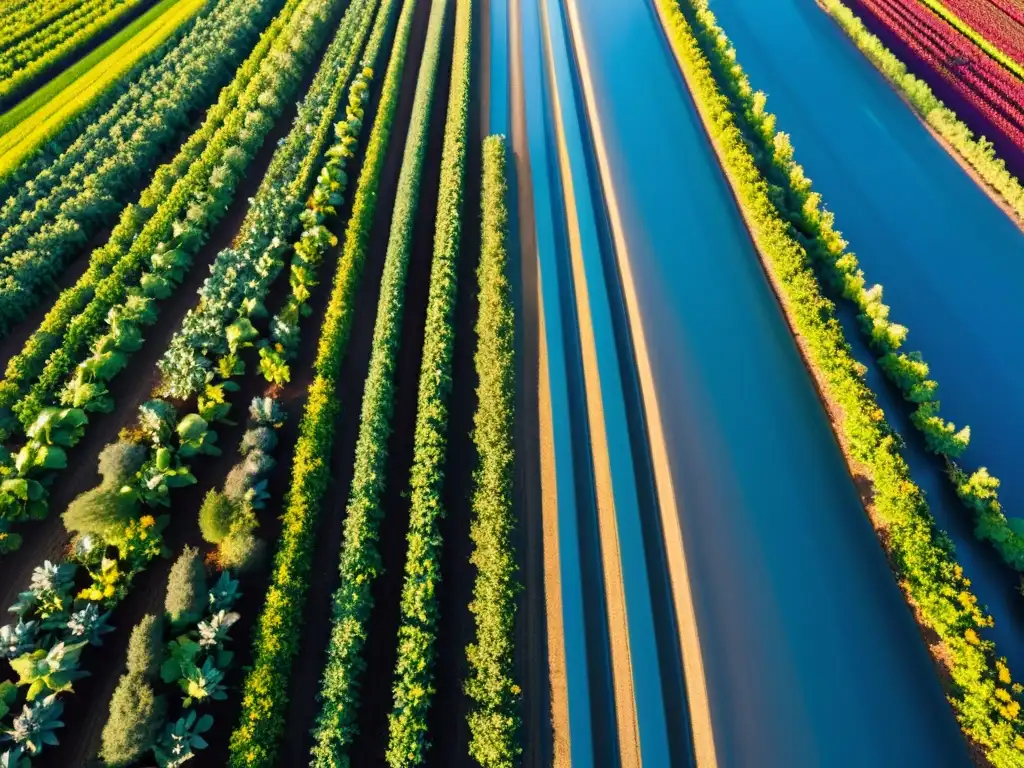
324,571
448,727
540,660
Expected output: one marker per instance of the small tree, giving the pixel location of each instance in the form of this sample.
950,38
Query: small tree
186,588
119,461
146,647
136,718
102,511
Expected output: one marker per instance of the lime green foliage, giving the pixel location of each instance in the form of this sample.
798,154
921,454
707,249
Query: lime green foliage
417,634
983,695
494,720
254,741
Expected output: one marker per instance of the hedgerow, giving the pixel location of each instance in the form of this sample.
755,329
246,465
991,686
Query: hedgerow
413,687
275,640
983,695
494,719
360,560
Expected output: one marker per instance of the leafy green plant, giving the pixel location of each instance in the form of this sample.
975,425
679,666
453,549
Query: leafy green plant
52,671
182,738
33,729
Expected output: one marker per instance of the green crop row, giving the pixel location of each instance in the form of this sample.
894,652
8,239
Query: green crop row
983,694
178,228
53,215
27,61
49,353
275,641
494,719
360,560
92,82
19,24
413,687
980,154
241,275
814,227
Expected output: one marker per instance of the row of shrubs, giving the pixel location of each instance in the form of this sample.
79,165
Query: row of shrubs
242,274
494,719
175,232
53,216
254,741
360,559
983,694
29,363
980,153
413,687
815,230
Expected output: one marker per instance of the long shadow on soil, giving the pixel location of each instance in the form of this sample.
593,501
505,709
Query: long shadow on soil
315,631
86,711
448,728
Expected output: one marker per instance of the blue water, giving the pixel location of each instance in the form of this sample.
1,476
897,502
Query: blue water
951,262
811,655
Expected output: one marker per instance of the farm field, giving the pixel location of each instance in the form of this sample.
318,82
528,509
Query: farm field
510,383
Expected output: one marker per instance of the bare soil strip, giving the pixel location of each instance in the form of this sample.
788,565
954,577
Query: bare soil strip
540,652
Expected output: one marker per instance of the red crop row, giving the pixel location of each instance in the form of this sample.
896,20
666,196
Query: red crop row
1000,22
977,78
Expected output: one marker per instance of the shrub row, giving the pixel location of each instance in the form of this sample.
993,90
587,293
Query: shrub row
185,651
57,345
52,216
978,153
27,61
92,83
359,565
198,200
23,22
242,275
983,695
413,687
275,642
494,719
814,228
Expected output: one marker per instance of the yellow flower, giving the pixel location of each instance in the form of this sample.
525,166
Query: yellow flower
148,521
108,590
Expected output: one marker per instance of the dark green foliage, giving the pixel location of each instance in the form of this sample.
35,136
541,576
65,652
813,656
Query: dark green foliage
215,516
100,511
119,461
186,588
146,647
136,716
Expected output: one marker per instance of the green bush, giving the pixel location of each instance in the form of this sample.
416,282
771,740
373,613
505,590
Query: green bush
146,647
360,560
215,516
136,717
417,634
254,741
241,551
494,719
119,461
186,588
102,511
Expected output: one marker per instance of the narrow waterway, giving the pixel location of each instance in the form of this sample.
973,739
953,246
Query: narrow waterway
951,262
811,655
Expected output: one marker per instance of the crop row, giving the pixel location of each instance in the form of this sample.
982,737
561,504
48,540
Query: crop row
53,216
986,26
977,153
275,641
413,686
93,82
359,565
494,719
27,61
20,24
979,80
984,697
840,268
181,223
241,275
54,348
